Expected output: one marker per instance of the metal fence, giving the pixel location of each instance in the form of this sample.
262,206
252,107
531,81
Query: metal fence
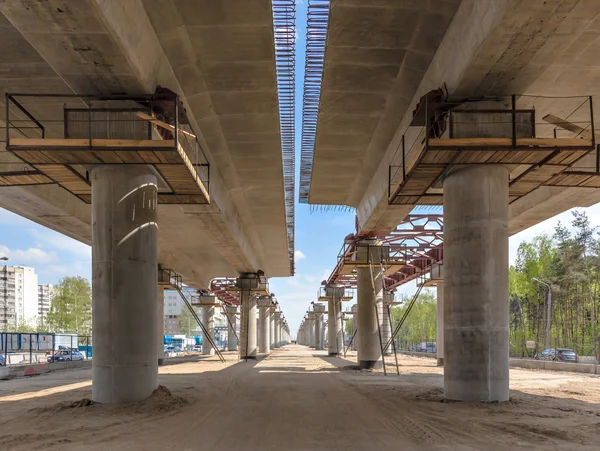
43,347
416,345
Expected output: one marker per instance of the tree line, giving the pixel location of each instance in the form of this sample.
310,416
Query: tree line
553,290
553,294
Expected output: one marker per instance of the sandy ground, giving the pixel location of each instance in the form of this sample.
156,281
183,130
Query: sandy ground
298,399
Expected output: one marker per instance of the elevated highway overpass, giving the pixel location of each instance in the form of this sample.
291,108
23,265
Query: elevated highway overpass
220,58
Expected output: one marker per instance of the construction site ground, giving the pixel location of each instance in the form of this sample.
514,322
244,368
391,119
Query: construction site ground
300,399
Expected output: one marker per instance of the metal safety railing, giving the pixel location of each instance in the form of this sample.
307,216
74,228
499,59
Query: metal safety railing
91,117
284,24
316,37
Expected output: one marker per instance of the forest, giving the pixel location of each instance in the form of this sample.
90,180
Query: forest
553,294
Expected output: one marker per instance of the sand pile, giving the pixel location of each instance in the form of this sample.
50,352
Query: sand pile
161,400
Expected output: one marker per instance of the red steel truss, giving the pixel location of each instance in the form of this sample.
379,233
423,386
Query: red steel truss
414,246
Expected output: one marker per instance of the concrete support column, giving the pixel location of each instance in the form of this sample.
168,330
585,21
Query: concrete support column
232,344
272,327
318,328
160,325
277,329
476,284
208,318
319,309
311,331
386,323
334,321
124,283
355,327
264,325
248,347
440,324
369,296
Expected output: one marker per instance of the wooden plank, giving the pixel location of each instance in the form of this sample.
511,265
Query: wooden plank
85,143
469,142
569,126
163,124
192,170
554,142
507,142
24,179
148,156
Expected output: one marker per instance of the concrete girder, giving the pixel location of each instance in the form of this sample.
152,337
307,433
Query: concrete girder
499,48
109,46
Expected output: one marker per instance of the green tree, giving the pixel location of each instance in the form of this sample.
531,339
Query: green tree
187,324
71,309
22,326
349,327
420,324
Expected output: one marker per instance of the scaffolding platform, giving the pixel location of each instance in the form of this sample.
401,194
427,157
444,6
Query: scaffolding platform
120,131
536,154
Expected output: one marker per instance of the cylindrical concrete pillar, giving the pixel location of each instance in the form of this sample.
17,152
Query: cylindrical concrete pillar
160,325
124,283
272,327
335,336
277,329
248,348
208,314
355,327
440,324
264,326
476,284
311,332
231,311
369,295
318,331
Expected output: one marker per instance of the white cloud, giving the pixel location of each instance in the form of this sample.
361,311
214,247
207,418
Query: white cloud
62,243
299,255
28,257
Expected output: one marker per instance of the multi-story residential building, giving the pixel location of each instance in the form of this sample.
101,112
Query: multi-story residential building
18,296
174,308
45,295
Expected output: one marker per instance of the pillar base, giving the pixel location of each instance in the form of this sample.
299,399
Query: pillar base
250,357
370,364
440,361
334,354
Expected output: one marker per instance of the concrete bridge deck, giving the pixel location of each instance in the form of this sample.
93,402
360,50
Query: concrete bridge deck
299,399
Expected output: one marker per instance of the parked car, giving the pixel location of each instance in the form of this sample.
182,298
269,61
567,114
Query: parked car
562,354
2,361
427,346
65,356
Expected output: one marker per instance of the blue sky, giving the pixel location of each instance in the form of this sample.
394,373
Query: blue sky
319,236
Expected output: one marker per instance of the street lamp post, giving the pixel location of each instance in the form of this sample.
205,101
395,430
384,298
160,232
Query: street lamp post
549,311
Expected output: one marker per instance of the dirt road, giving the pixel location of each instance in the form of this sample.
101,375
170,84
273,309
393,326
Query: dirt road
299,399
